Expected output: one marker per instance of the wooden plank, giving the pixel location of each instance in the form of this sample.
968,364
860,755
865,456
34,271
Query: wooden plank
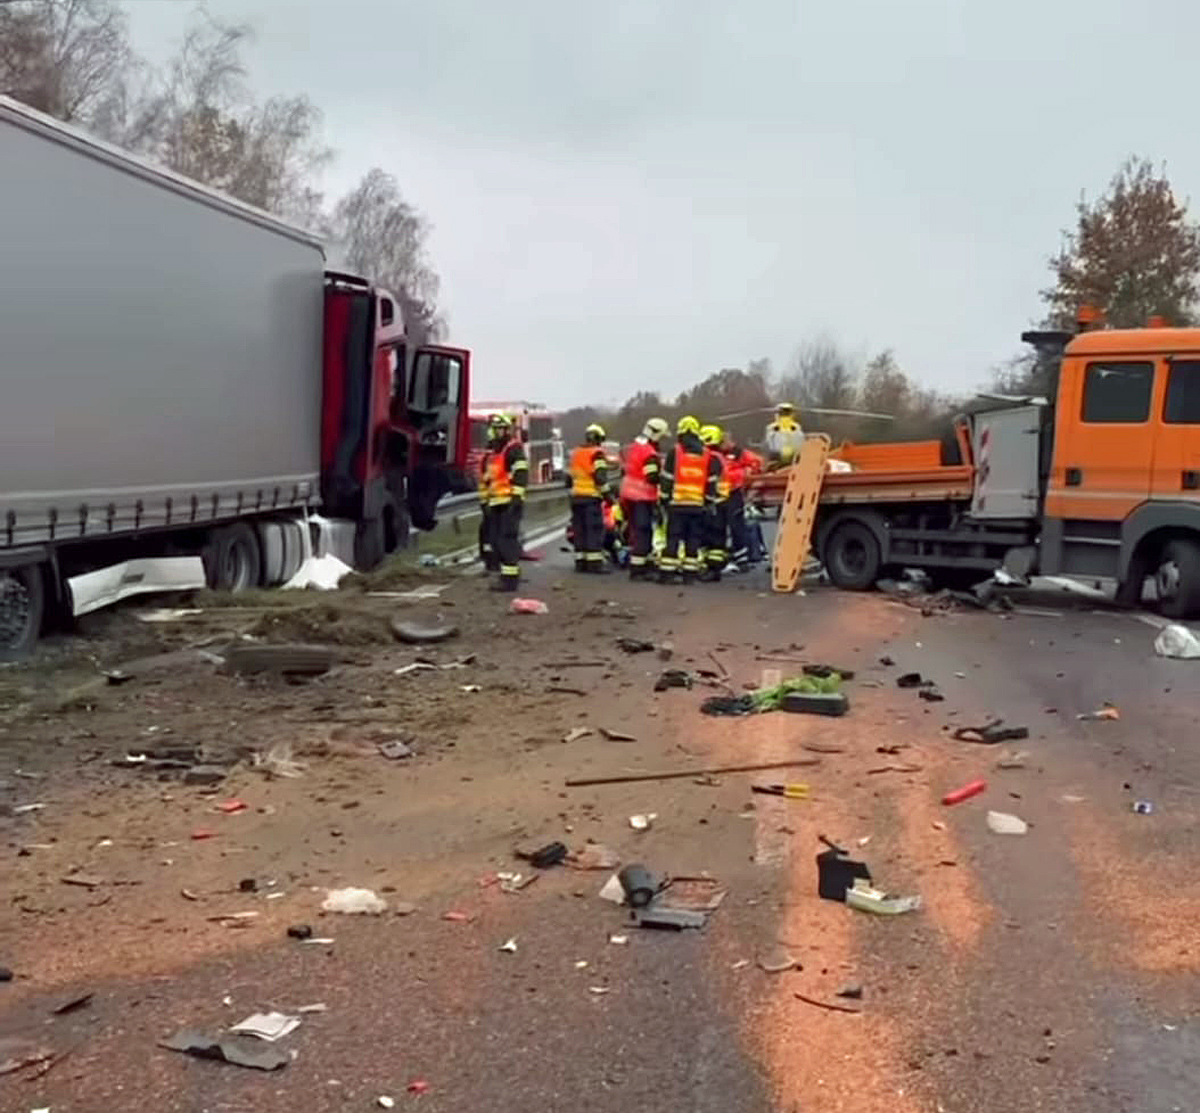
798,512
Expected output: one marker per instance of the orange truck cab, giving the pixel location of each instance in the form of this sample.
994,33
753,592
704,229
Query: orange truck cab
1101,481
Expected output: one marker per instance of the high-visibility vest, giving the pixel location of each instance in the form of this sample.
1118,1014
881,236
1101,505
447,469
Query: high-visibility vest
485,466
635,487
583,471
500,478
691,477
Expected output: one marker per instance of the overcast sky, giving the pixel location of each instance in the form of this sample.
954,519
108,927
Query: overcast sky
632,194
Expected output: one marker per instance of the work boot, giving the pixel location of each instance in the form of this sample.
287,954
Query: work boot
599,568
580,565
710,576
505,585
665,577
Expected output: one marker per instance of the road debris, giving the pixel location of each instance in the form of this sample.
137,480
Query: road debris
17,1053
990,733
777,962
354,902
837,872
509,946
676,774
1106,712
395,750
552,854
612,890
1178,642
618,940
670,919
638,885
930,694
205,775
285,660
229,1049
827,1005
790,791
232,807
422,633
79,1001
83,880
202,833
456,917
634,645
515,882
594,856
1142,807
1001,823
385,1102
866,898
270,1026
6,975
974,788
1013,761
673,678
787,695
279,762
599,990
576,734
617,735
910,680
642,821
418,1086
300,931
414,666
852,992
528,606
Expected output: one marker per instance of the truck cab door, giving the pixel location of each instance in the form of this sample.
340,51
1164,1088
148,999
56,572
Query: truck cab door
437,396
1104,446
1176,472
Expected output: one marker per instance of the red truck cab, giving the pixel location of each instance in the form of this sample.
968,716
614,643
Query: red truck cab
394,420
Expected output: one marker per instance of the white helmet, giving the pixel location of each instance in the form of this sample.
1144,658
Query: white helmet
655,429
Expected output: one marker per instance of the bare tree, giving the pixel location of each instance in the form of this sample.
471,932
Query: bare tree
200,119
819,374
67,58
384,237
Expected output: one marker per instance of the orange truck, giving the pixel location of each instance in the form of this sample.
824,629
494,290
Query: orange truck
1101,481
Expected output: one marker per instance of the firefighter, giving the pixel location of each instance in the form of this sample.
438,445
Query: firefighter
740,464
487,540
716,516
688,485
784,436
639,494
508,475
590,489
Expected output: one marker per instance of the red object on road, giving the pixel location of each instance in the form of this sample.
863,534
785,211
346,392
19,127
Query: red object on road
231,806
203,833
964,793
418,1086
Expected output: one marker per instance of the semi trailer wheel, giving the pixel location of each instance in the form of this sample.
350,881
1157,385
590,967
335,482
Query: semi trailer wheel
22,605
232,558
852,556
1177,579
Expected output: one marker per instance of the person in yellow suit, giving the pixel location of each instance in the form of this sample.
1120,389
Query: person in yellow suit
784,437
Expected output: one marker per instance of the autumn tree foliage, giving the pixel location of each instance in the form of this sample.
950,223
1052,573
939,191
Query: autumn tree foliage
1134,253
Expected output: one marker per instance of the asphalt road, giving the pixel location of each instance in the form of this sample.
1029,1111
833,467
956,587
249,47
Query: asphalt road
1050,971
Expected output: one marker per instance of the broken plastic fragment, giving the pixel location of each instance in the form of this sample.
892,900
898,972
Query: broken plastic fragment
642,821
528,606
1001,823
354,902
270,1026
509,946
866,898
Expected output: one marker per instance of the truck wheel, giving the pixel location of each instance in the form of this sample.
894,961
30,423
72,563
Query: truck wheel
233,559
852,556
22,605
1177,579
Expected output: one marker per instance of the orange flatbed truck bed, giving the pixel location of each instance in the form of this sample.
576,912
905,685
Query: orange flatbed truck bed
1103,481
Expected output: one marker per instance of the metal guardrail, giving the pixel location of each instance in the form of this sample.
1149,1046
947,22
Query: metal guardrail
470,500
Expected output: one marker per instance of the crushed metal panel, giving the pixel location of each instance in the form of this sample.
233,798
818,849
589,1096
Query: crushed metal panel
105,586
1006,444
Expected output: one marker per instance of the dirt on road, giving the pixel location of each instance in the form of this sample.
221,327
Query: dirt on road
1055,970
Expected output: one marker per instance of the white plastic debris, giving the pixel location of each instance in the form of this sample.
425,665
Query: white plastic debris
618,940
354,902
509,946
866,898
385,1102
323,573
1001,823
267,1026
1177,641
613,890
642,822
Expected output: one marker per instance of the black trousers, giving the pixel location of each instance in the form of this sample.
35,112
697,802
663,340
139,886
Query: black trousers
739,537
506,534
487,540
587,523
716,529
685,526
641,533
